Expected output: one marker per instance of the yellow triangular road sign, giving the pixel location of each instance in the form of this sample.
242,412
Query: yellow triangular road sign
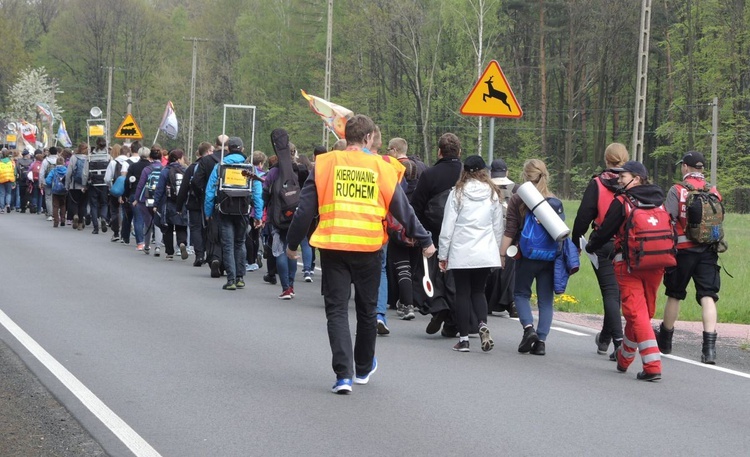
492,96
129,129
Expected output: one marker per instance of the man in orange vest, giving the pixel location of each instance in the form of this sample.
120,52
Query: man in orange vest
352,191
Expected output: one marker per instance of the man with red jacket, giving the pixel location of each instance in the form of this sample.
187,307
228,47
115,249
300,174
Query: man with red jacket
698,262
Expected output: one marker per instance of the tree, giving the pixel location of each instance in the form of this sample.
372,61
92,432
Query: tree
33,86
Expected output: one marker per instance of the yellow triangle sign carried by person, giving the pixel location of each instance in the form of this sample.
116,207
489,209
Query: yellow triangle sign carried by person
492,96
129,129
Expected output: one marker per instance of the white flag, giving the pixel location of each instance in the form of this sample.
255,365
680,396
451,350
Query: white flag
169,121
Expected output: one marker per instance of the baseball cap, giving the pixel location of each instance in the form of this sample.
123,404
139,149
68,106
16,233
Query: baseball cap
474,163
234,143
634,167
693,159
25,152
499,173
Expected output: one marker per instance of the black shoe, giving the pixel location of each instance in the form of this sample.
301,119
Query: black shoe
104,226
538,348
198,261
613,355
527,341
436,322
643,376
88,220
269,279
215,273
601,345
95,231
230,285
664,339
512,311
449,331
708,352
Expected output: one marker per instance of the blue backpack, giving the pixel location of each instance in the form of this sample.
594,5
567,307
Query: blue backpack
78,171
535,243
151,182
58,183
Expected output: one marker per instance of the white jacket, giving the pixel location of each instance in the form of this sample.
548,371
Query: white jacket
472,228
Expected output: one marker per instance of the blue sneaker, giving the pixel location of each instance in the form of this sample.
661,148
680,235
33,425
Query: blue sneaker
342,386
366,378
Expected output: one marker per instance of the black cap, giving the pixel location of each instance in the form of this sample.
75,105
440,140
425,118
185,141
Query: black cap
633,167
474,163
234,143
25,151
319,150
693,159
498,169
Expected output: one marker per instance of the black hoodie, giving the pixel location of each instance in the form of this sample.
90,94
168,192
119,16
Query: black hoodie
650,194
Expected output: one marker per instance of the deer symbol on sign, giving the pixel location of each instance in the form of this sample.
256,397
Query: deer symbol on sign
494,93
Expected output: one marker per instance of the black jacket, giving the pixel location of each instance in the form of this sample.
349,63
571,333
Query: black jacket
434,180
203,168
588,211
647,193
134,174
186,197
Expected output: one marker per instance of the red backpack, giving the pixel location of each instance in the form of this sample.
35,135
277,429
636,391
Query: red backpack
648,240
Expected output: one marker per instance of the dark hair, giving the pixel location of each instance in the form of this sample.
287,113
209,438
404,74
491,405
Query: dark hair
449,145
135,146
101,142
155,154
357,128
175,155
203,148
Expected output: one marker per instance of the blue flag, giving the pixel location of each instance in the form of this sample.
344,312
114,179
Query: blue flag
62,135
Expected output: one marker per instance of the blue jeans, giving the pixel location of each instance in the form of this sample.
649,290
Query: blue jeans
543,271
285,267
232,231
383,289
138,225
6,194
307,255
37,199
15,197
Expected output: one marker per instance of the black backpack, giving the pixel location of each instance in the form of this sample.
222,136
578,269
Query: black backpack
98,163
234,189
285,190
434,211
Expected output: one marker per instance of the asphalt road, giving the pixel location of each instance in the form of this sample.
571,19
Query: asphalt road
155,359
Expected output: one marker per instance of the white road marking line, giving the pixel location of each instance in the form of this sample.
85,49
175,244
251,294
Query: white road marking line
704,365
565,330
112,421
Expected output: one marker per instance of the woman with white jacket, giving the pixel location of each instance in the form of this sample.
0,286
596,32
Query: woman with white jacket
470,240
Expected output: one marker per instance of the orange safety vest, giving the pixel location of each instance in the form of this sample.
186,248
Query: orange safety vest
354,193
7,172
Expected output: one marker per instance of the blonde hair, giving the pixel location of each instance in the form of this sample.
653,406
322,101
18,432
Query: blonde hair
481,175
115,152
616,155
535,170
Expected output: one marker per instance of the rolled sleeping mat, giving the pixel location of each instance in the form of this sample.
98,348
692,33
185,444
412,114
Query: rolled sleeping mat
542,210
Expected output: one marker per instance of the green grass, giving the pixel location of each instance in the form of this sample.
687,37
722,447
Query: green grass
583,294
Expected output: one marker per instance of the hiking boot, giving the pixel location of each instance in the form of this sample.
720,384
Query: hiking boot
215,272
286,294
240,282
529,338
183,251
664,339
484,336
462,346
364,379
601,344
643,376
708,352
408,313
230,285
538,348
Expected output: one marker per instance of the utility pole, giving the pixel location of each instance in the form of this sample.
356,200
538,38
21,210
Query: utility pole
109,104
714,139
327,84
191,122
639,120
130,102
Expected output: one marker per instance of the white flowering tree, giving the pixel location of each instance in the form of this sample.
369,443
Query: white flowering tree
33,86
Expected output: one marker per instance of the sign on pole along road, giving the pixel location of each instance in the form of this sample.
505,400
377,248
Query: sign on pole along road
129,129
492,96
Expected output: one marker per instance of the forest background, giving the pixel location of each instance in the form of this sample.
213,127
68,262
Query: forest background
408,64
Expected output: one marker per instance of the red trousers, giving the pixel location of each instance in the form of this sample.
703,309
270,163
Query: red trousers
638,295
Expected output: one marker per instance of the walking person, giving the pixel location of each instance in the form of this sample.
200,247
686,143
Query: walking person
48,164
189,200
139,163
594,205
351,191
530,270
56,183
7,180
638,286
165,202
697,259
98,191
470,239
76,182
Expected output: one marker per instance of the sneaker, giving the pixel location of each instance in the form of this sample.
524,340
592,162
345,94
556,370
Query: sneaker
613,355
529,338
69,222
240,282
95,231
230,285
75,222
462,346
139,247
269,279
409,313
652,377
49,218
366,378
146,250
251,267
287,294
115,238
383,327
436,322
601,346
157,252
308,277
87,218
538,348
198,261
259,260
215,269
512,311
400,309
484,336
169,257
104,226
342,386
183,251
